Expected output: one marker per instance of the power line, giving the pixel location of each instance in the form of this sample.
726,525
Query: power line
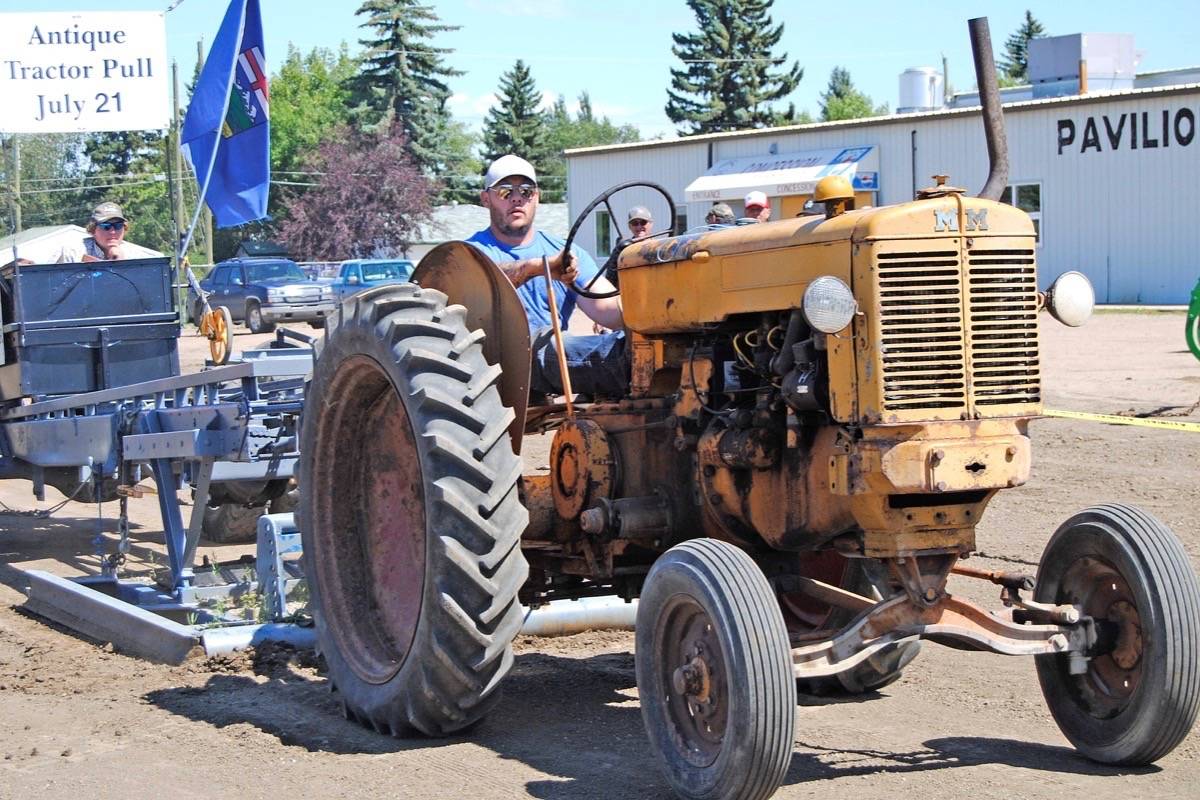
93,186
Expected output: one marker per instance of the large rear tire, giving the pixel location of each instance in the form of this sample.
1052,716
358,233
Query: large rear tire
410,515
1138,696
714,673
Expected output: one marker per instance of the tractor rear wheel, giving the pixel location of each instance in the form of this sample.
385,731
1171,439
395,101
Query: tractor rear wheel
409,513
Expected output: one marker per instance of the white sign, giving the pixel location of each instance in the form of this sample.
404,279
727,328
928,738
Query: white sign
83,72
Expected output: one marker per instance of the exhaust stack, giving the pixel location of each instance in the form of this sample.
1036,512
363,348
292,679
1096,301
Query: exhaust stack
993,117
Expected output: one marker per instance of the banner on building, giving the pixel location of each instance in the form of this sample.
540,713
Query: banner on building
64,72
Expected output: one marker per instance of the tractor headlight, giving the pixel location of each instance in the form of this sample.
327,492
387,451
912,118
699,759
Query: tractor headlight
828,304
1070,299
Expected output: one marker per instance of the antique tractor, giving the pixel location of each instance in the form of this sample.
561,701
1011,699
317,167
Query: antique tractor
820,410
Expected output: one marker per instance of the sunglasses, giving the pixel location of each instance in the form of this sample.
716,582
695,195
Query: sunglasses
505,190
638,223
111,226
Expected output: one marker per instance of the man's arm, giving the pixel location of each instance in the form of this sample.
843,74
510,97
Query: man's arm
607,312
520,272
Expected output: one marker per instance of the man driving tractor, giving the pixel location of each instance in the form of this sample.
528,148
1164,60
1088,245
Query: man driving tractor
598,364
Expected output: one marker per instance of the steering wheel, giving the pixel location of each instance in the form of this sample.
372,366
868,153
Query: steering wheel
621,244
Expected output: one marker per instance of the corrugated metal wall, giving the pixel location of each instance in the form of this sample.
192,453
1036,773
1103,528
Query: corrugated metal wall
1124,216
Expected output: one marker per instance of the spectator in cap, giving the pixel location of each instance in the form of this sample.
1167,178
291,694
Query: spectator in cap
107,227
720,214
641,223
758,206
598,364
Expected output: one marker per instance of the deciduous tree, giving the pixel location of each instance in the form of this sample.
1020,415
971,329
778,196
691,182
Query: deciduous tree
370,199
564,132
842,100
730,75
309,97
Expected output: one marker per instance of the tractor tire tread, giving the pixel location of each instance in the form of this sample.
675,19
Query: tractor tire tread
462,648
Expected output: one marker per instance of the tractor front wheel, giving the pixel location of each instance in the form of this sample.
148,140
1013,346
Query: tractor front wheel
409,513
714,673
1137,695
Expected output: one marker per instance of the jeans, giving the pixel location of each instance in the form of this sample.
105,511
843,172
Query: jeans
598,365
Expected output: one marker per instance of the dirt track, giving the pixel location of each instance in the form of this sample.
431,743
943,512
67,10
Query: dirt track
81,721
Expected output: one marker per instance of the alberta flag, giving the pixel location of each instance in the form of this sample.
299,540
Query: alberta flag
227,133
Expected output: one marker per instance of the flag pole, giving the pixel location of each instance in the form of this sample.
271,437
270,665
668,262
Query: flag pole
187,239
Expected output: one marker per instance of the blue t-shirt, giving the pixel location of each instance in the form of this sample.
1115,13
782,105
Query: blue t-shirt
533,292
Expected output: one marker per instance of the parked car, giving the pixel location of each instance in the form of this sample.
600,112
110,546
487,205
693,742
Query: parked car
265,291
363,273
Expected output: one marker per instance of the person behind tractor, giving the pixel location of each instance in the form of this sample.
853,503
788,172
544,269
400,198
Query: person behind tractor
641,223
719,214
758,206
598,364
106,242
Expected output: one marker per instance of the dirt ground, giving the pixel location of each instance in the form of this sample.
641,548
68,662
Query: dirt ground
79,720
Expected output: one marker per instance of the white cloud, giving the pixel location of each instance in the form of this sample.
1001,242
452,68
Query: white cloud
470,108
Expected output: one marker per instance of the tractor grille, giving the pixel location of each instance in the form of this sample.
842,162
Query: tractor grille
921,321
957,340
1005,367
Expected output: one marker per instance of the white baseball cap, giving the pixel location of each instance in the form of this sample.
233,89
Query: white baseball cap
507,165
757,198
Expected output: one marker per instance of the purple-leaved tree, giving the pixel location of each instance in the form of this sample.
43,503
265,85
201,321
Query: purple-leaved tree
369,201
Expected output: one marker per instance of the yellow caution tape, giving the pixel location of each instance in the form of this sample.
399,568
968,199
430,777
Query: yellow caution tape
1115,420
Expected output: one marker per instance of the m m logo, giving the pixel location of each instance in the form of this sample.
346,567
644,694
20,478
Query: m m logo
948,221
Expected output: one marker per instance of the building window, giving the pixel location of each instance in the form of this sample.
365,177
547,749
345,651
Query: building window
1028,199
681,224
603,234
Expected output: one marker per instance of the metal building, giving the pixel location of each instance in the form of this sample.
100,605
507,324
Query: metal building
1111,180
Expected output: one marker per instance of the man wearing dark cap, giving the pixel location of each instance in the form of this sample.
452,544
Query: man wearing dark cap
641,223
598,365
107,227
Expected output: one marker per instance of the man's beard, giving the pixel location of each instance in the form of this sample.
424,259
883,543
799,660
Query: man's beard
510,229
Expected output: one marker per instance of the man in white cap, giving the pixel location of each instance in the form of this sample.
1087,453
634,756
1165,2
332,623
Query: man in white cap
758,206
107,227
641,223
598,364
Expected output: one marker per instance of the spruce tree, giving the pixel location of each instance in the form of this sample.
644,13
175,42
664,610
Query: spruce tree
1014,64
728,79
842,100
515,125
402,80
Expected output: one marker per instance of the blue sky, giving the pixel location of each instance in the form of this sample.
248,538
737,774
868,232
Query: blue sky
619,50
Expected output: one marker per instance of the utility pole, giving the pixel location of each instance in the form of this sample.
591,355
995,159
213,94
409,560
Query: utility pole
15,182
173,161
208,220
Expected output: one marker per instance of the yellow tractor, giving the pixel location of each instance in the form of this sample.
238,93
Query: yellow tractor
820,410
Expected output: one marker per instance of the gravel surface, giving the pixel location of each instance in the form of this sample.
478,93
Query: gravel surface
83,721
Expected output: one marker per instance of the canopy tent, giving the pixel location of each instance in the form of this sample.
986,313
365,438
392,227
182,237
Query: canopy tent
45,244
786,174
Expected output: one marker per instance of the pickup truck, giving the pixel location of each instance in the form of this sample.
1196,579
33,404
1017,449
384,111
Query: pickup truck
361,273
265,291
